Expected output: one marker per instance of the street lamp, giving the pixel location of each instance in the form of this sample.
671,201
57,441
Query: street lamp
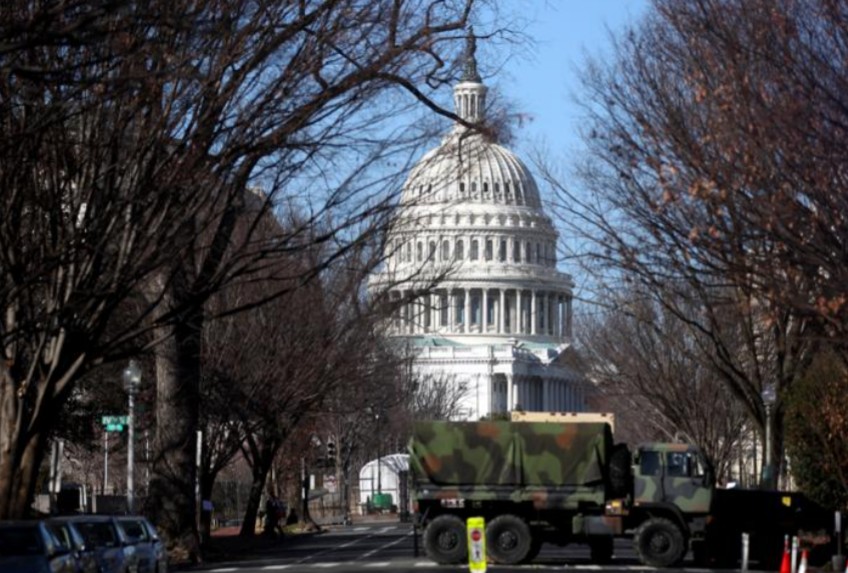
132,379
379,440
769,396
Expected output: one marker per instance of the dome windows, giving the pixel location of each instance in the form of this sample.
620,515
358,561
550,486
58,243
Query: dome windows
475,250
459,251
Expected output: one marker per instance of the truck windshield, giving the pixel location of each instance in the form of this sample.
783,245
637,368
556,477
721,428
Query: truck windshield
649,463
683,464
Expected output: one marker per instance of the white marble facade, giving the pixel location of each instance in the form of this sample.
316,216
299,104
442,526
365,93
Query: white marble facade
470,234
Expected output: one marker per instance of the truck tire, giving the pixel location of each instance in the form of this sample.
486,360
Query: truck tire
600,549
508,539
659,543
619,471
444,540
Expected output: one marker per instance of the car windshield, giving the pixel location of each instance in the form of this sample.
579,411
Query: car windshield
134,529
19,541
98,534
62,533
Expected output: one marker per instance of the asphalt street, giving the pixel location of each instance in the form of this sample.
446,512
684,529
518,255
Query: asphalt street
390,547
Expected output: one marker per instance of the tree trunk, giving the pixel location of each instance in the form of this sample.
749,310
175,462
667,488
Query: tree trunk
18,470
207,482
172,484
260,469
21,452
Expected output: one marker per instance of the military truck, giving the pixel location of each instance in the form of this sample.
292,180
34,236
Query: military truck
564,482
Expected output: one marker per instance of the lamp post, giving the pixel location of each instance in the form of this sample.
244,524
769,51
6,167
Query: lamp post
132,379
769,396
379,442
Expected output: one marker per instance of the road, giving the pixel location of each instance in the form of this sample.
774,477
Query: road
389,547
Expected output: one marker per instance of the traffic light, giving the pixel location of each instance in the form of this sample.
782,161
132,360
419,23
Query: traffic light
331,454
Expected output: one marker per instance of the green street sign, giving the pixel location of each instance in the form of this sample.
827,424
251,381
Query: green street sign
114,423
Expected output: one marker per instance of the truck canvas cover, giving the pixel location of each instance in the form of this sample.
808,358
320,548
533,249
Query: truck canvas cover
554,464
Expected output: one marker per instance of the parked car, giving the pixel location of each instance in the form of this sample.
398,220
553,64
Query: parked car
85,555
114,550
30,547
152,556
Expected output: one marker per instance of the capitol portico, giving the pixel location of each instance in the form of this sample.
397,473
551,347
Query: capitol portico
471,268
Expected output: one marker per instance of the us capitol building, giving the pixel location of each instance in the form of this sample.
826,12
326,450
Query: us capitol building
470,263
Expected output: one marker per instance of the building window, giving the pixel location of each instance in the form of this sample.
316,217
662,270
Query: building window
419,252
502,251
489,249
459,253
528,252
431,252
443,310
539,260
408,257
459,309
462,188
475,309
475,250
490,312
445,250
516,251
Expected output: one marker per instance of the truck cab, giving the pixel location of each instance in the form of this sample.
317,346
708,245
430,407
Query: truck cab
672,474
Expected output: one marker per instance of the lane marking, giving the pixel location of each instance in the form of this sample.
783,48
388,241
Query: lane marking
275,567
386,546
377,564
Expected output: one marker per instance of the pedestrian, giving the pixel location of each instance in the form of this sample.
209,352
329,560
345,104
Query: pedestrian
280,520
272,516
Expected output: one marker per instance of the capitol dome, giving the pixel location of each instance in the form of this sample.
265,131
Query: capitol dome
470,267
468,167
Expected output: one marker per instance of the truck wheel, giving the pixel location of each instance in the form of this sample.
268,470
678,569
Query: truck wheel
444,540
659,543
600,549
508,539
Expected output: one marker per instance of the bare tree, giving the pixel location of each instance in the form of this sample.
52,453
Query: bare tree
646,361
699,172
130,134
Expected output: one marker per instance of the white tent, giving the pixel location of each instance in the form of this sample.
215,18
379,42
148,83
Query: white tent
390,466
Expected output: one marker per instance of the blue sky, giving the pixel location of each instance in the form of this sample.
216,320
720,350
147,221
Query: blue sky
542,80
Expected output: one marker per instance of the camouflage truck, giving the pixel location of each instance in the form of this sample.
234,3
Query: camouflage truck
561,482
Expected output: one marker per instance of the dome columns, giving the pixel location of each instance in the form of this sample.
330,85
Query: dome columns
486,310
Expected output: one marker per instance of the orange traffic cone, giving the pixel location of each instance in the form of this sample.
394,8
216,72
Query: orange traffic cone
802,568
786,564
